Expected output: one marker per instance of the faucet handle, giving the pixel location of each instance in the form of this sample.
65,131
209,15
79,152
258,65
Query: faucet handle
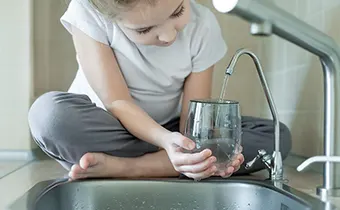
262,155
251,163
325,159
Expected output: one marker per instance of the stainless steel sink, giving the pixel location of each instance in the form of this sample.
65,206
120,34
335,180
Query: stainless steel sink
170,194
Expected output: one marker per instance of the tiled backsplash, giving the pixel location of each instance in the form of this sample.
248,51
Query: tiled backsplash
294,75
298,84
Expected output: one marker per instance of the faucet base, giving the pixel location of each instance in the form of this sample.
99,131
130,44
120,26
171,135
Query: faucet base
277,171
324,193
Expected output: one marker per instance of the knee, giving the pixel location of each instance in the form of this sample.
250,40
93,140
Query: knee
42,112
285,140
49,117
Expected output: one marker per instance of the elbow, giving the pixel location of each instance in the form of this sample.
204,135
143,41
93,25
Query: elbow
120,106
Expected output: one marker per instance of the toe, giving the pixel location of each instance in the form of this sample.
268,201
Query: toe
75,176
77,169
88,160
76,172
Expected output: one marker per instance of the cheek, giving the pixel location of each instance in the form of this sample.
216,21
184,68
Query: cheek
183,21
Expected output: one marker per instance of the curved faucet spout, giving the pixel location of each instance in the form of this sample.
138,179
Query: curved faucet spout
277,170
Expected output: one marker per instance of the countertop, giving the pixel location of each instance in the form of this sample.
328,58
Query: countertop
18,182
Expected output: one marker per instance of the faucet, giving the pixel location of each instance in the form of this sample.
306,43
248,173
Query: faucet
274,162
265,19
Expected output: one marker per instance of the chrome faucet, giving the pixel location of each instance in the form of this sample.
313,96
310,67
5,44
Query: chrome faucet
274,162
266,19
324,193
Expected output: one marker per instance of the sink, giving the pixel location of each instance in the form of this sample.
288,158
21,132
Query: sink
169,194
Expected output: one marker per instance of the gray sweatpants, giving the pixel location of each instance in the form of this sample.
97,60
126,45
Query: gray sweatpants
66,126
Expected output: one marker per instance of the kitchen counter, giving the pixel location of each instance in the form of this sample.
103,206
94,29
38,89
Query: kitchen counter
17,183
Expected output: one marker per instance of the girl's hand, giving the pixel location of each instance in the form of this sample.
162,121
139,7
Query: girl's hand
235,166
193,165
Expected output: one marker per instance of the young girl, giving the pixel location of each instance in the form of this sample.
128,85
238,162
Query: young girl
140,63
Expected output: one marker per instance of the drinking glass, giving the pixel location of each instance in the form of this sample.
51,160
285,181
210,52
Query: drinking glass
216,125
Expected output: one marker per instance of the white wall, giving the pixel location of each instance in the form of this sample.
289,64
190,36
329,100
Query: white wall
16,66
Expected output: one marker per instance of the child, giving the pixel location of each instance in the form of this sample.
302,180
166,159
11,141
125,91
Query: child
140,63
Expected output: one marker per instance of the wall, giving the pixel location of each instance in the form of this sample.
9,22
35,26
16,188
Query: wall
297,81
294,75
55,63
33,47
16,66
244,85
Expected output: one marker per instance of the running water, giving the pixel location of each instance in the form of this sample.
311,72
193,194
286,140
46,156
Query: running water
224,87
222,95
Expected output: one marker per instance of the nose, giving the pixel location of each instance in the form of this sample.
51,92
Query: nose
168,35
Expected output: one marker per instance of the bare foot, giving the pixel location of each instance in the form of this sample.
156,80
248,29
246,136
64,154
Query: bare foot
97,165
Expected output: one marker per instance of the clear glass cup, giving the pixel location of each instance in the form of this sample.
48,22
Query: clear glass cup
216,125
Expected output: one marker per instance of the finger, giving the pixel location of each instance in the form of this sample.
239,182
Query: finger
203,175
191,159
220,173
179,149
236,169
235,163
227,173
199,167
184,142
241,158
217,173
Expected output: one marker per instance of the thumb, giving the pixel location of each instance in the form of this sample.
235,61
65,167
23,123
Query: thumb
184,142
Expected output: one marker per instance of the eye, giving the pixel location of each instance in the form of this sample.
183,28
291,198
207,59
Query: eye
179,13
144,31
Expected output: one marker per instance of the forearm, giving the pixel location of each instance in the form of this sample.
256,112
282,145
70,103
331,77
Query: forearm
138,122
151,165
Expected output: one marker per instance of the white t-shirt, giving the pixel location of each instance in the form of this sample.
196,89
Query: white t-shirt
154,75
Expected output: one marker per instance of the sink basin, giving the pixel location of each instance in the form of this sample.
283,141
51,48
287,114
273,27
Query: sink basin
169,194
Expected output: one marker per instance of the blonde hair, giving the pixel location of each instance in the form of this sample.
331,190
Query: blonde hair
111,8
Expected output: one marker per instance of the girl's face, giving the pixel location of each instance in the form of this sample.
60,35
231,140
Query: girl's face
156,24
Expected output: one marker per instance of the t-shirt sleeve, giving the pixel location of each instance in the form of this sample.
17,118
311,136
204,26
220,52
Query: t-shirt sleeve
208,46
82,15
